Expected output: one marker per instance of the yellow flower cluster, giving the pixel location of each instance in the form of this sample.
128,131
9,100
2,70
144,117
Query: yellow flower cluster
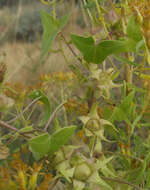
58,76
142,11
21,176
19,90
73,106
15,90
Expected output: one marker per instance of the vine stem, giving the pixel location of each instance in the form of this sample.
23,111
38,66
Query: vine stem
101,18
53,116
62,50
89,13
129,69
19,115
10,127
63,100
68,45
3,124
54,9
121,181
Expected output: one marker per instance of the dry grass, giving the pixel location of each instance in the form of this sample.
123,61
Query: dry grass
24,59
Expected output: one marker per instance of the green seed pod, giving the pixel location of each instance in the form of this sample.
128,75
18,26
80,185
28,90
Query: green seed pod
82,171
59,156
93,124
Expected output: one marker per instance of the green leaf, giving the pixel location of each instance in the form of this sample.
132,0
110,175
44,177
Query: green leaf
107,112
26,129
102,165
97,53
126,103
51,28
96,179
124,60
47,107
89,5
119,115
123,111
135,122
140,147
40,145
133,30
143,168
91,144
45,144
140,45
148,178
60,138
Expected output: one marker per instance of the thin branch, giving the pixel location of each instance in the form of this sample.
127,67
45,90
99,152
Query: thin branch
53,116
10,127
19,115
121,181
68,45
5,125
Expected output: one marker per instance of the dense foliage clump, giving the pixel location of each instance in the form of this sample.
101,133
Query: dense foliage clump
86,128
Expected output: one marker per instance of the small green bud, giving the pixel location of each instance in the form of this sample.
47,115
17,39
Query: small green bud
59,156
82,171
93,124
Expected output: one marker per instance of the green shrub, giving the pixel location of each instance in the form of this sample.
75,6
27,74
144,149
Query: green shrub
29,25
109,135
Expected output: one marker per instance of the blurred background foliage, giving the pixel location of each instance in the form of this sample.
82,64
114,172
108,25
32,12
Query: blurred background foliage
21,18
20,51
20,39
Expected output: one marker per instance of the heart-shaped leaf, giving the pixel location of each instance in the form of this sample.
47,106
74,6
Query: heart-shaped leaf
133,30
45,144
51,28
60,138
40,145
96,53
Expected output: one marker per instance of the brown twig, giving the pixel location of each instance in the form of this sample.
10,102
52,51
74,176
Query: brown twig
68,45
10,127
5,125
121,181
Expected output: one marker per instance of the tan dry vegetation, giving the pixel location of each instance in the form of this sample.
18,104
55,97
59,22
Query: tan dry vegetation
23,59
